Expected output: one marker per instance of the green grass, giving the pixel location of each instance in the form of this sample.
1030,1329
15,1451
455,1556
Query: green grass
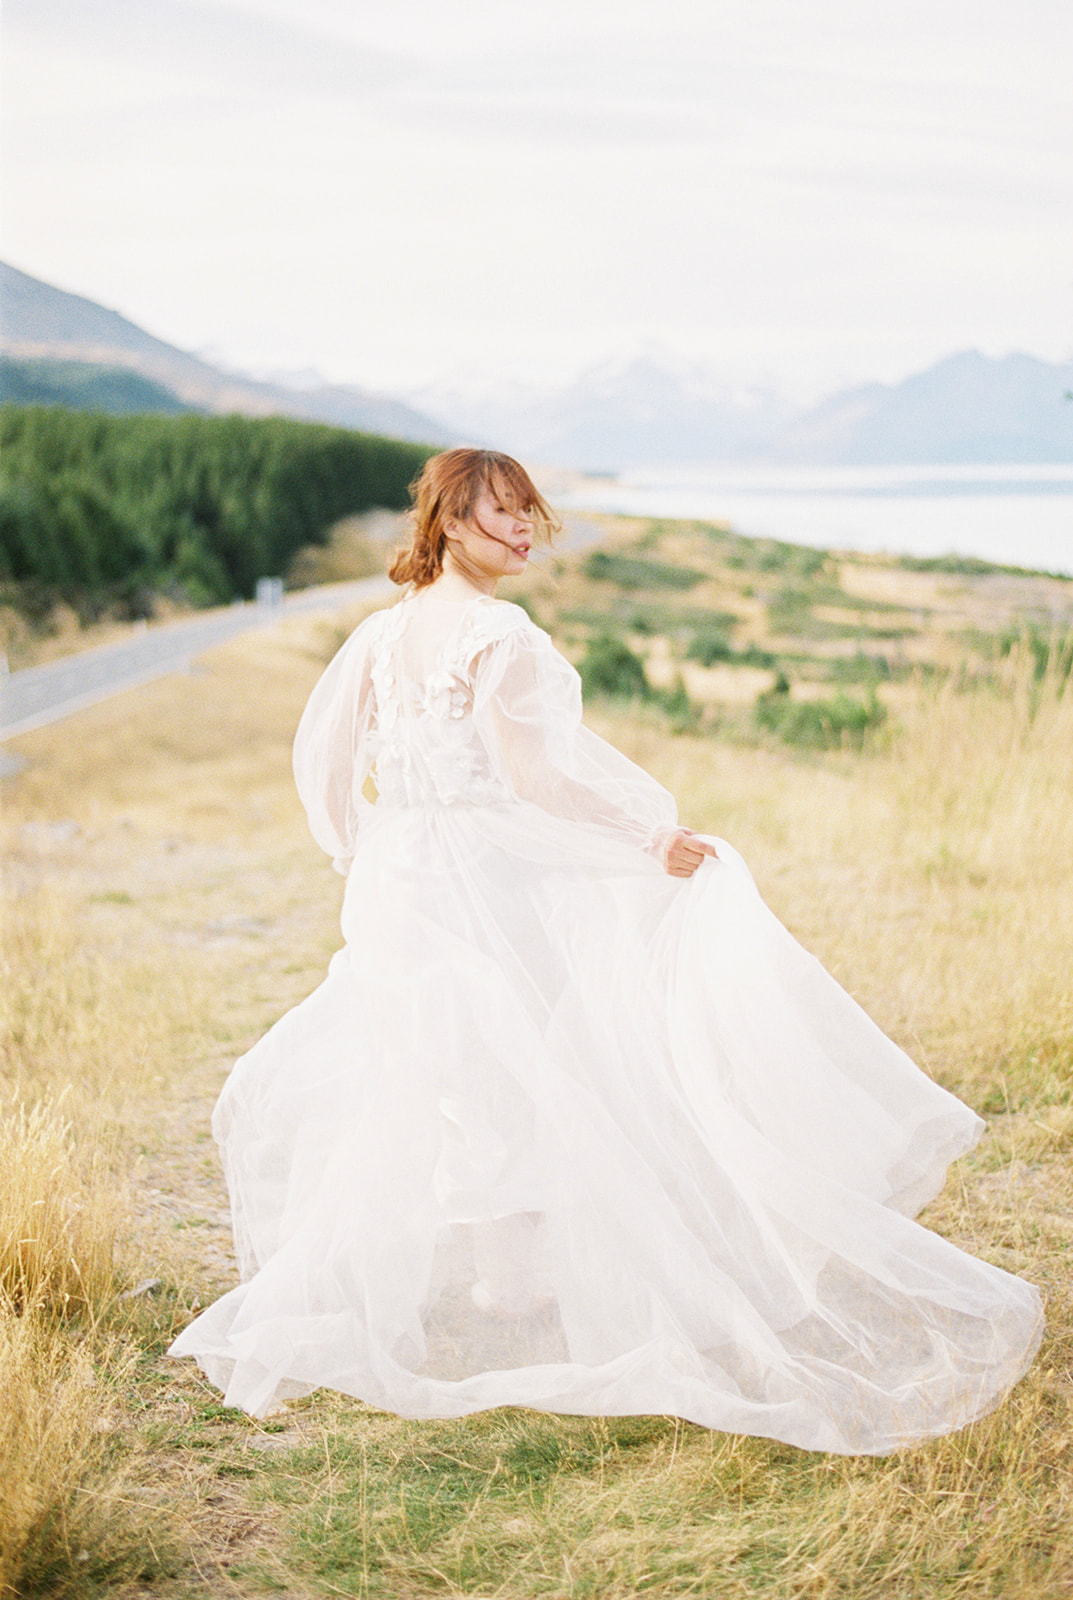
517,1505
791,611
862,668
972,567
769,555
631,614
635,572
1051,649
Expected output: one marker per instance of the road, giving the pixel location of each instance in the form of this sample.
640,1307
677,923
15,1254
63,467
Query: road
36,696
39,695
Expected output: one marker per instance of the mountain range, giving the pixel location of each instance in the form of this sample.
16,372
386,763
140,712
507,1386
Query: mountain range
968,408
42,327
646,411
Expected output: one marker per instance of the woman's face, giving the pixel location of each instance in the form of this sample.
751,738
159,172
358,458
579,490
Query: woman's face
494,543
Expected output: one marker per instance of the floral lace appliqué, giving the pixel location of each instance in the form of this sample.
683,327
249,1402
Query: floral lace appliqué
446,696
434,754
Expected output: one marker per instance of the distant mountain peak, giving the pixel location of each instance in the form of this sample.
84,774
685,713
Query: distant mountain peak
647,410
647,407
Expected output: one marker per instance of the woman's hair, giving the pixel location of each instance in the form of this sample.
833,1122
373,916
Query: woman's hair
446,490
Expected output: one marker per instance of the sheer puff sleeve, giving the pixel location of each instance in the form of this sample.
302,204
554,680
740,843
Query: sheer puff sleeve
527,709
333,747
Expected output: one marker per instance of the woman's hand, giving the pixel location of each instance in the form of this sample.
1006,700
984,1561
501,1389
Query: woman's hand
681,852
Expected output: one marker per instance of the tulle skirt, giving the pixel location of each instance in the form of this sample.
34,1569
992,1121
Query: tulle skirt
560,1131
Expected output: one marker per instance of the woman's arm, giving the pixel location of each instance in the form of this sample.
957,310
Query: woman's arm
527,703
332,754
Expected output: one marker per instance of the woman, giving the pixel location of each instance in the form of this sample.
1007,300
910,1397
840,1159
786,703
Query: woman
573,1122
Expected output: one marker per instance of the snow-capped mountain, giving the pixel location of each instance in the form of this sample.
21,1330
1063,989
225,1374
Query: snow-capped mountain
646,412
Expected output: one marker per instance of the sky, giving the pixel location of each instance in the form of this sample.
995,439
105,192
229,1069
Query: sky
400,192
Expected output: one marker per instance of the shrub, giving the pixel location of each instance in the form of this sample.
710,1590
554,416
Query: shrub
754,656
682,713
859,668
1051,653
819,724
770,555
709,645
970,567
610,668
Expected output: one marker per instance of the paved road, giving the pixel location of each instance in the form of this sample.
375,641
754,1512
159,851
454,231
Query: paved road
38,695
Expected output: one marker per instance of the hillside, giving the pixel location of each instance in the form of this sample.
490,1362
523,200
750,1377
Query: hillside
81,386
165,903
644,411
51,328
816,646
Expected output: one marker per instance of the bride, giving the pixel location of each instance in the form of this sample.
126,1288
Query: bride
573,1122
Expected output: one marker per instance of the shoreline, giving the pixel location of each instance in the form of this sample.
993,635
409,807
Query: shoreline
586,520
1013,516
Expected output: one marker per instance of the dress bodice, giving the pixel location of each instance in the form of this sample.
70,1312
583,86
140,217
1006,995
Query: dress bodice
454,705
425,747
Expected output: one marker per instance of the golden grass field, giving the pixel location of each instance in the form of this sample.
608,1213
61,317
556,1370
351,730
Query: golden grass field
163,904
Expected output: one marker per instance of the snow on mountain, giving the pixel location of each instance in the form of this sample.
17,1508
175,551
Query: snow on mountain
615,415
646,412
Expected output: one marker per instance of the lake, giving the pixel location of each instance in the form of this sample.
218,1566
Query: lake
1014,515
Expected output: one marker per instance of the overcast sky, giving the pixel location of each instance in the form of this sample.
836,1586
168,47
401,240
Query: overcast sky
395,190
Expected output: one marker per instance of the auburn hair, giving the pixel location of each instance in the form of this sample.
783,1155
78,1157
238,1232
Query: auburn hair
446,490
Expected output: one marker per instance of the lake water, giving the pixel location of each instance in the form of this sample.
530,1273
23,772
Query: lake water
1015,515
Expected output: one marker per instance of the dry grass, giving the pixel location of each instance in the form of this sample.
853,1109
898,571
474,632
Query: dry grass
71,1515
60,1210
934,876
357,547
126,863
74,1517
891,867
166,905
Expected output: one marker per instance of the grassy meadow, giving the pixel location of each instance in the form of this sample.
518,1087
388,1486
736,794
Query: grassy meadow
163,904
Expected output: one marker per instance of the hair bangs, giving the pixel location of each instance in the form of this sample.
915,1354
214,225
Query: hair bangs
512,486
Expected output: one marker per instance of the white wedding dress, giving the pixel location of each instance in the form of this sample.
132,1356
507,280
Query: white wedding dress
559,1130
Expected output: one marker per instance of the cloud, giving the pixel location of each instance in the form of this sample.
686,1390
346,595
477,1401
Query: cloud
391,183
191,44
